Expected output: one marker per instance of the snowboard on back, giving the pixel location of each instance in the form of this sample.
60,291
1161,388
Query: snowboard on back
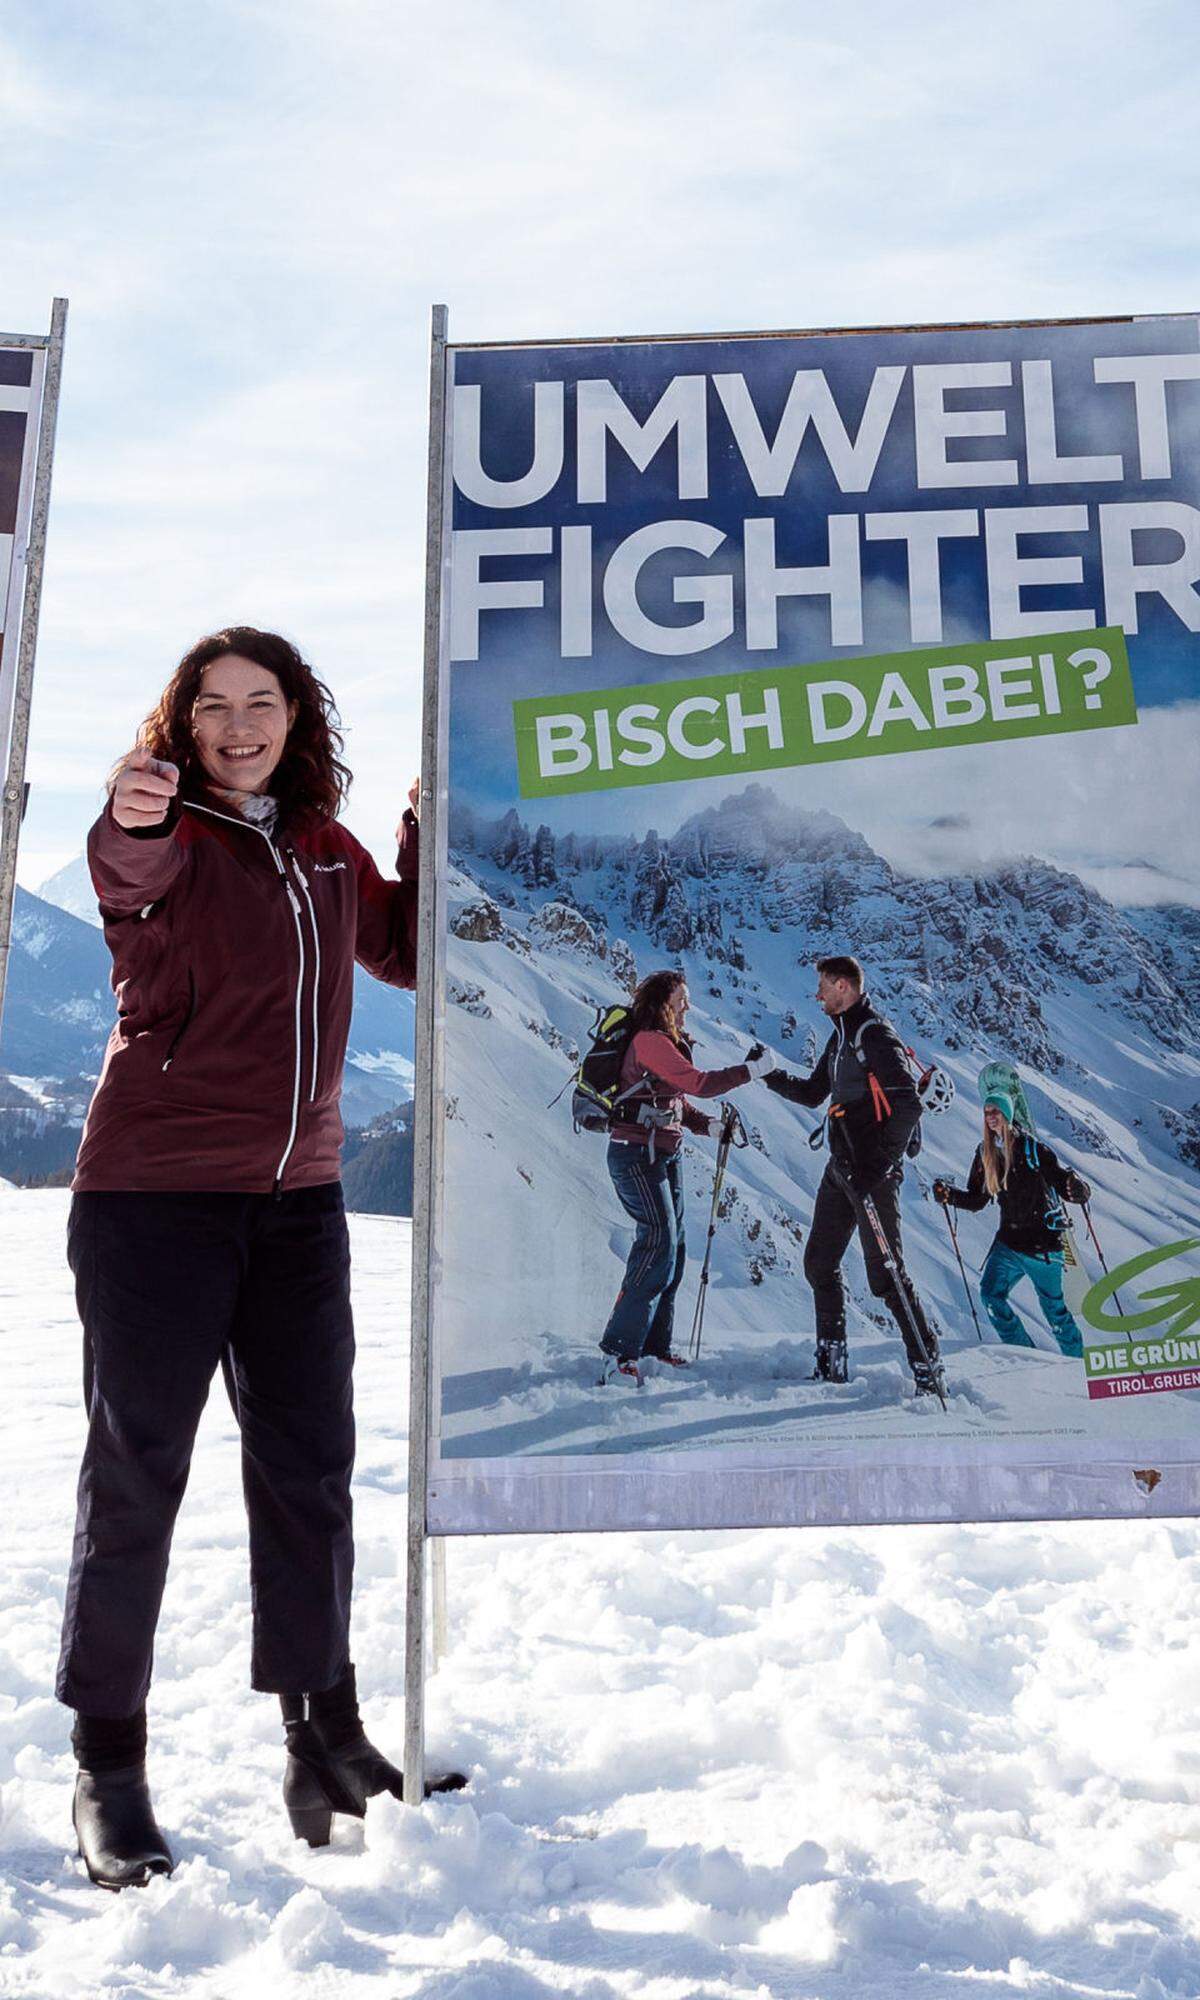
1002,1076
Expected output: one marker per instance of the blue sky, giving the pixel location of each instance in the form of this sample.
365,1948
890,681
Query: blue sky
252,206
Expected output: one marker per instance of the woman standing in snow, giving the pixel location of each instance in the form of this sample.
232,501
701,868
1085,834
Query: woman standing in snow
657,1077
207,1226
1030,1184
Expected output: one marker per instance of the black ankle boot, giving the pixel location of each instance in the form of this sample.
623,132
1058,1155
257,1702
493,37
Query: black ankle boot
331,1765
119,1838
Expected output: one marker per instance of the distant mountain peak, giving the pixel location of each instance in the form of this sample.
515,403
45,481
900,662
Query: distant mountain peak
761,825
70,888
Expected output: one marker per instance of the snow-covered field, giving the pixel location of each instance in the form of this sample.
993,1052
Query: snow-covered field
935,1764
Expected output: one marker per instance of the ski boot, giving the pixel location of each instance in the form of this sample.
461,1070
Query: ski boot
332,1767
621,1365
929,1379
120,1840
832,1360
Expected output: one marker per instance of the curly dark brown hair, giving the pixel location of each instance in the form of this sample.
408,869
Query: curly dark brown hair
649,1005
310,781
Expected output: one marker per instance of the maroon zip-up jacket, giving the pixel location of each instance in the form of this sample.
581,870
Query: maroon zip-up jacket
233,961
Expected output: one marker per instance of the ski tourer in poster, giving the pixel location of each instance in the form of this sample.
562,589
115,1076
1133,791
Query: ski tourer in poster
872,1124
655,1077
1026,1178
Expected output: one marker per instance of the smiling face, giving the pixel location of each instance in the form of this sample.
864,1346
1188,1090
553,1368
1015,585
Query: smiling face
679,1003
240,723
833,996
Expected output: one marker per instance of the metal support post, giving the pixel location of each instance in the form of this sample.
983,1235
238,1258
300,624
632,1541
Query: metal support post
13,801
437,1567
427,1136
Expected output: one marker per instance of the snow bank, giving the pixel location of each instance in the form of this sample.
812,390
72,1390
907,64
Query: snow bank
937,1764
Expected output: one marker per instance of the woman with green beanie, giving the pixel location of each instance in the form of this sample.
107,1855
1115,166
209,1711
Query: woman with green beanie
1030,1183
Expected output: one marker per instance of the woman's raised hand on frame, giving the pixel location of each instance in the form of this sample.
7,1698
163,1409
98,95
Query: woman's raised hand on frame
414,800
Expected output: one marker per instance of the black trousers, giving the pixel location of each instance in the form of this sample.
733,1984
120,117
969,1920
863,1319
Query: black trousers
836,1216
169,1288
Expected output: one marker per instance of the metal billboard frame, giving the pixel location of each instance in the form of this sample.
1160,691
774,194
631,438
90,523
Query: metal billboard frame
11,632
886,1494
29,563
427,1127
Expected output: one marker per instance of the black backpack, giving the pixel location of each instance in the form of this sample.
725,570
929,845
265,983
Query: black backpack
933,1083
879,1099
597,1081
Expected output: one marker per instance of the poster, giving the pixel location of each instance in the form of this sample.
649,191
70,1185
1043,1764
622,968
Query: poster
17,441
764,649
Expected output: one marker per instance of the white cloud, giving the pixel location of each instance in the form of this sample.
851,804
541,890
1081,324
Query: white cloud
1114,806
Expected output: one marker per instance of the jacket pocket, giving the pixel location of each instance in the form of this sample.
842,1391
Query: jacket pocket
185,1024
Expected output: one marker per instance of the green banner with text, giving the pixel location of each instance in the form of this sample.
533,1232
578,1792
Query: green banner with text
772,718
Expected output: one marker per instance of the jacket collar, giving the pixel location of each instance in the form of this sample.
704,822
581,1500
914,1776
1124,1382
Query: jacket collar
852,1020
211,805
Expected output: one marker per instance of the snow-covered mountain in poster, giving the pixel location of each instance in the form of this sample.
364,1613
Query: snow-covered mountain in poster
1099,1007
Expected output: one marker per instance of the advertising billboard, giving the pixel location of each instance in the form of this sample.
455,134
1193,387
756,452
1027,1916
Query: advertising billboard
20,371
758,651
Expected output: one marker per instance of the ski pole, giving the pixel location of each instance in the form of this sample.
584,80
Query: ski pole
1087,1216
729,1119
962,1269
891,1262
872,1214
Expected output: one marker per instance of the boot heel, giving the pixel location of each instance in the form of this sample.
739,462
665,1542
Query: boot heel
311,1823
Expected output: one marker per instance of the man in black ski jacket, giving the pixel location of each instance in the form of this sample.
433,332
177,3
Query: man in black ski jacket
873,1113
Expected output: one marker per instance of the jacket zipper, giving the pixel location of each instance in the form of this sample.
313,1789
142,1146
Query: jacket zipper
185,1024
294,901
312,918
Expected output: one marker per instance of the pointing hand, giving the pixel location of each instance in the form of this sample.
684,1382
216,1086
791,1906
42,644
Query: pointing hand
143,789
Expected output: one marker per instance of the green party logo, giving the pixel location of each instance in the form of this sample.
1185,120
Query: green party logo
1174,1306
1136,1363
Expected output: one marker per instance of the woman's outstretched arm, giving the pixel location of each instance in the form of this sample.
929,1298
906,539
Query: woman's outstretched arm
664,1059
973,1196
386,939
132,854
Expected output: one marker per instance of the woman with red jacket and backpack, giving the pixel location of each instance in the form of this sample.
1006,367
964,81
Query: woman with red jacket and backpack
657,1077
207,1227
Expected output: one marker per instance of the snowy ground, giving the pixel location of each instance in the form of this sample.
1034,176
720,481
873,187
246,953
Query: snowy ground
936,1764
